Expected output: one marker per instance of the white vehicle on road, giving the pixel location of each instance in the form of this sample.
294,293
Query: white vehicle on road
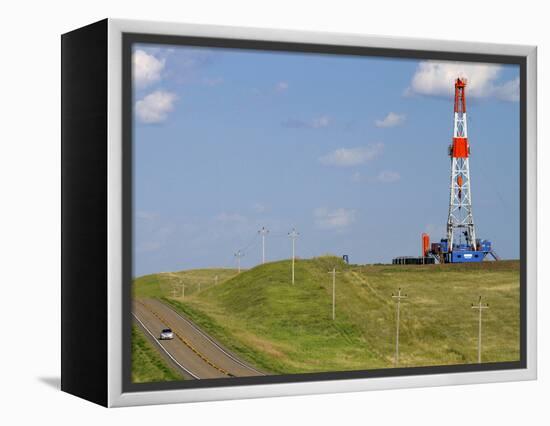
166,334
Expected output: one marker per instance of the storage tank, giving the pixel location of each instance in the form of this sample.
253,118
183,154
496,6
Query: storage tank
425,244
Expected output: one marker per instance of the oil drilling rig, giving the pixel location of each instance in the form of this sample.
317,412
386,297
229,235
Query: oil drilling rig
460,244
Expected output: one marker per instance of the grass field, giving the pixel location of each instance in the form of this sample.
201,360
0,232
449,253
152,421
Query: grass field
285,328
147,365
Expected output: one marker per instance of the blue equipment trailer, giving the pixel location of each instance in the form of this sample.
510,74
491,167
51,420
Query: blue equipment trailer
462,253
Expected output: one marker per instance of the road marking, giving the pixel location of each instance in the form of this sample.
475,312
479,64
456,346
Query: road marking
206,336
164,349
185,342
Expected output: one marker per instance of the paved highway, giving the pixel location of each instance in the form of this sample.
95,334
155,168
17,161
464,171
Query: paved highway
192,351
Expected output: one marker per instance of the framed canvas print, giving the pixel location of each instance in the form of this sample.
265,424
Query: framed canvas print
250,213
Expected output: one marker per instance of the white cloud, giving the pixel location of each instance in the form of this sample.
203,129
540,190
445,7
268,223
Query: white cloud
154,107
437,79
282,86
388,176
346,157
391,120
333,219
147,68
314,123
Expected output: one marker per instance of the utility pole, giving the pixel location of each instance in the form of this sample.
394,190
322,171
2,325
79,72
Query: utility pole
293,235
397,297
263,232
238,255
173,287
480,307
333,272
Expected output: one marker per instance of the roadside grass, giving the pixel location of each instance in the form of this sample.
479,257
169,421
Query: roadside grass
147,364
286,328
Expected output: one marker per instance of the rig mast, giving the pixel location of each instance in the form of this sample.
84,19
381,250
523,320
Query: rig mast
460,223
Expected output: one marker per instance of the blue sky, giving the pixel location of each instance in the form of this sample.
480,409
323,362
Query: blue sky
351,151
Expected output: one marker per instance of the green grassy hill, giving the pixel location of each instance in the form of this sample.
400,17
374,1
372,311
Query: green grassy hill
172,283
285,328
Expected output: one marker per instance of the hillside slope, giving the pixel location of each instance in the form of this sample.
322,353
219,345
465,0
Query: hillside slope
285,328
174,283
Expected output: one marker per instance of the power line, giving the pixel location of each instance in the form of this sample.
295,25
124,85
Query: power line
277,234
174,286
333,272
182,289
252,243
238,256
333,294
263,232
305,249
397,297
480,307
293,235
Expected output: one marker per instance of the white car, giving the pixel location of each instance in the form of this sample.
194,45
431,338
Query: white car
166,334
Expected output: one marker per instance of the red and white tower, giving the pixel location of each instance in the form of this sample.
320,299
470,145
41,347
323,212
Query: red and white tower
460,224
